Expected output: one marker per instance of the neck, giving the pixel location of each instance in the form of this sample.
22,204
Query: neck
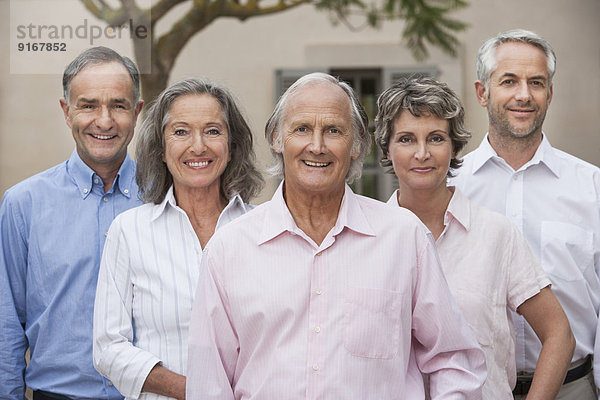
429,205
314,214
515,151
108,176
203,207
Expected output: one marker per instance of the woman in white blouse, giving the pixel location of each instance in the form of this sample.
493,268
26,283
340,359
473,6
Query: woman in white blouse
488,264
196,172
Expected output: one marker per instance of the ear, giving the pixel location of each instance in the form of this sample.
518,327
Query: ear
355,153
65,108
138,108
277,145
481,93
550,94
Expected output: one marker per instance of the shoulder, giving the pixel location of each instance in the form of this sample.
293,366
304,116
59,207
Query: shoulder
569,161
389,219
37,186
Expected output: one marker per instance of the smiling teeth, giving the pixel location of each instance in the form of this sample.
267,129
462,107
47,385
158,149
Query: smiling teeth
197,164
102,137
316,164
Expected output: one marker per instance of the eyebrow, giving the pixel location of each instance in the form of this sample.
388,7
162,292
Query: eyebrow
512,75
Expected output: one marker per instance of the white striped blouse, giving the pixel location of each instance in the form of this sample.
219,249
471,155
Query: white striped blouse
148,275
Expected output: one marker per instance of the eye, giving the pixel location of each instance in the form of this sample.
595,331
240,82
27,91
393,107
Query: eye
302,129
437,139
404,139
507,82
213,132
334,131
538,83
88,106
179,132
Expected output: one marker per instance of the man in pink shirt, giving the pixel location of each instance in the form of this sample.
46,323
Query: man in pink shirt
321,293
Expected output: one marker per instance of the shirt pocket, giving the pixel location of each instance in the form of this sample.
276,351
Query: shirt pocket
372,322
567,250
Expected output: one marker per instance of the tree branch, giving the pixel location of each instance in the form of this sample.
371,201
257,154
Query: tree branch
252,9
104,12
161,8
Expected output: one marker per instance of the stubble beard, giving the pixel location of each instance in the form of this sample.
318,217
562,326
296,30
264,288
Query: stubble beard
498,119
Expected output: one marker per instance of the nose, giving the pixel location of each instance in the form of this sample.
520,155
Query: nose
317,143
198,145
422,152
523,92
104,121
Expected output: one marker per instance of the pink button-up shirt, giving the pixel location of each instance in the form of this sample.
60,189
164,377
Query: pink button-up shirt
277,316
490,269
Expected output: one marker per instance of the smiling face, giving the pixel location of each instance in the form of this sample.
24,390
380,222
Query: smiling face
196,143
317,135
420,150
102,114
519,91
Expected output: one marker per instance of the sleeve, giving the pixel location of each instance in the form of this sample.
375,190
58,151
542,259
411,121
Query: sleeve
445,348
115,356
13,267
526,278
213,345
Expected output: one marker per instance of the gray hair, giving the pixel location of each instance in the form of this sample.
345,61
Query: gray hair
420,96
486,56
154,178
100,55
362,139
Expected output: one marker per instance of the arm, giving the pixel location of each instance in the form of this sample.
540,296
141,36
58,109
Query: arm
212,344
13,266
445,347
547,318
164,382
115,356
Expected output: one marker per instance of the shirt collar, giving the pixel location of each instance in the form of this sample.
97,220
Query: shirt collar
280,220
458,209
83,176
543,155
234,203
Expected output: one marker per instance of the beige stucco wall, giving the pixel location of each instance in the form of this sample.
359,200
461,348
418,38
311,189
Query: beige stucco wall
244,56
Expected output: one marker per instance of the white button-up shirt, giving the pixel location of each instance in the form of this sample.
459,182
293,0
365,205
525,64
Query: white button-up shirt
146,286
357,317
490,269
554,199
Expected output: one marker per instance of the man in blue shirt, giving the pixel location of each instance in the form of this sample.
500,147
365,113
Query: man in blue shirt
52,231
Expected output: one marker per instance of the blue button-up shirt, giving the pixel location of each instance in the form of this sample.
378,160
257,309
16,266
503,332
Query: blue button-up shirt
52,230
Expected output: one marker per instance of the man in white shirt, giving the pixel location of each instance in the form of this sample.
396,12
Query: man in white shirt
552,197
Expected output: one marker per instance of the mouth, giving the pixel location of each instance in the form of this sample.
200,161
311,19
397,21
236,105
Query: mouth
316,164
197,164
422,170
102,137
521,111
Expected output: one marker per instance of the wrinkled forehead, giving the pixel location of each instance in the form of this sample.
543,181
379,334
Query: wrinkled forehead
318,97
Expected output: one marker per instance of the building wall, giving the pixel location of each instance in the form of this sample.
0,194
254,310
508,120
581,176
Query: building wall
245,56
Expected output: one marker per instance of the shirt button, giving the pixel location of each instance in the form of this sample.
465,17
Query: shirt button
110,383
96,180
85,190
315,367
125,191
317,329
105,199
105,233
319,253
319,291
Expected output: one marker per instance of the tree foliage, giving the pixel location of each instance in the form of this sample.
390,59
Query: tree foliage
427,22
